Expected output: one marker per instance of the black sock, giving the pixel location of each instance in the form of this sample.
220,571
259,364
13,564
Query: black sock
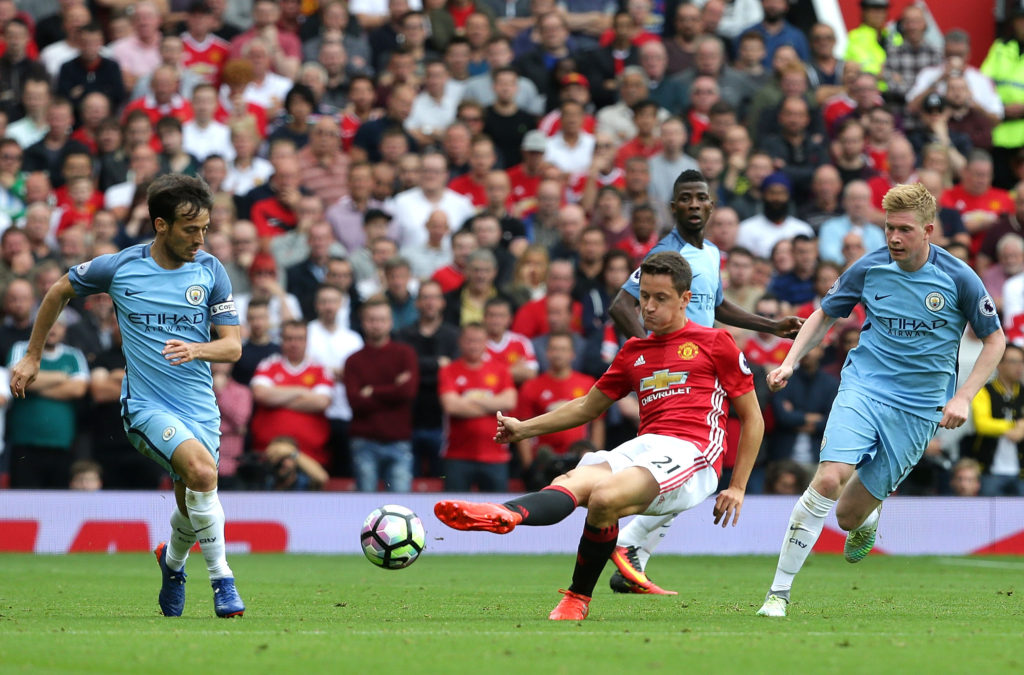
547,507
596,545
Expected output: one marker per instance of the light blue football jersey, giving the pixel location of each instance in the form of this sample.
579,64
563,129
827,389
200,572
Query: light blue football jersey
706,264
907,355
155,305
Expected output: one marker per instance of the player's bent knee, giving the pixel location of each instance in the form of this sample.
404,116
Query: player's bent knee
196,466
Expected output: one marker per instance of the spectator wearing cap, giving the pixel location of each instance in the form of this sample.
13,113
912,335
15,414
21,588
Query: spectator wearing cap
777,31
904,60
869,42
572,148
573,87
505,122
1005,65
956,55
760,233
934,128
525,177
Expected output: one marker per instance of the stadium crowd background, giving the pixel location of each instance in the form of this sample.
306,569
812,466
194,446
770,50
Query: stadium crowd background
477,178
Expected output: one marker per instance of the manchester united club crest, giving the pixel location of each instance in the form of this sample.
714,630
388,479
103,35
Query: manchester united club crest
491,380
687,351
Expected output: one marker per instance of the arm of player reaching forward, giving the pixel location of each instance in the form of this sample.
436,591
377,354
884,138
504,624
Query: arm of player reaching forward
810,335
227,348
25,371
566,416
732,314
957,408
730,500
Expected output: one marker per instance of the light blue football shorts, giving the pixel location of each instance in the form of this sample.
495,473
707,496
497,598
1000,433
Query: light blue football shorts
883,442
157,434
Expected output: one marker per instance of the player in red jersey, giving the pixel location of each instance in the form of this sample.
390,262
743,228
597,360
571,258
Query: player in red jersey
682,374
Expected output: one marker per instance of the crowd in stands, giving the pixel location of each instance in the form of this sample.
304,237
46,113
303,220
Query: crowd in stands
425,208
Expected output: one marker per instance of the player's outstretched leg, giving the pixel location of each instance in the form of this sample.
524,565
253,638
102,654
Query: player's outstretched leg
546,507
596,545
637,542
860,540
805,525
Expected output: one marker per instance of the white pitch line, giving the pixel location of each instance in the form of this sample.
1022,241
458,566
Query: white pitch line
511,633
970,562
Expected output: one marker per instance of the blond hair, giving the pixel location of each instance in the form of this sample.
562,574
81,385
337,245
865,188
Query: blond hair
914,197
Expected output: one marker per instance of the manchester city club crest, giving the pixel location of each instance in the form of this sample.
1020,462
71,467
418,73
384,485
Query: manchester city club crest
168,433
83,267
934,301
195,295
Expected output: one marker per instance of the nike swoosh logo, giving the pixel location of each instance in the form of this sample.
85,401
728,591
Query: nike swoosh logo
795,528
695,275
184,534
204,528
129,293
881,297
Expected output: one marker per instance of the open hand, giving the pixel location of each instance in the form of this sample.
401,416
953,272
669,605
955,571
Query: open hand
728,505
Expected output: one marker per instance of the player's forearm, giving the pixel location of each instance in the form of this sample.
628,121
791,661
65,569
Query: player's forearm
732,314
993,346
624,315
751,435
597,433
811,334
566,416
221,350
52,305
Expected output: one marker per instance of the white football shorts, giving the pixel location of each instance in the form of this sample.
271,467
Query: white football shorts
685,478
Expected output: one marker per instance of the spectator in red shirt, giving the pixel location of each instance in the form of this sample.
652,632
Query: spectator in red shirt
643,234
482,160
532,318
163,99
506,346
452,276
526,177
472,390
277,214
978,202
549,390
766,349
291,394
645,144
381,381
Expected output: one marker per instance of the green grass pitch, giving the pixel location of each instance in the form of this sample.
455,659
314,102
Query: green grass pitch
488,614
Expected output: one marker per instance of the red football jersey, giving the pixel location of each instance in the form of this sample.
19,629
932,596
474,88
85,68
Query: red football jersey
551,123
472,438
511,349
545,393
310,430
206,58
683,381
531,319
524,187
465,185
769,354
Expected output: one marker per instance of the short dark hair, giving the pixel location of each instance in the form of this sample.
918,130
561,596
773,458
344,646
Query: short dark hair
173,195
300,91
168,123
672,265
688,176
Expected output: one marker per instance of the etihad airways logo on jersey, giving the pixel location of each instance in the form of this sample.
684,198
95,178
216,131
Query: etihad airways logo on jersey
167,321
904,326
664,383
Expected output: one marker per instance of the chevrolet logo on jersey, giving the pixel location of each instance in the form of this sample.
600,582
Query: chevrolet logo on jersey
663,379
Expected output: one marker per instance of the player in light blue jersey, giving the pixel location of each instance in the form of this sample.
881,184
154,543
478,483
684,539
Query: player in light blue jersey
897,386
167,294
691,206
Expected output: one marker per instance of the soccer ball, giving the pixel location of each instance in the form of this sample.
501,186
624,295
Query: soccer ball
392,537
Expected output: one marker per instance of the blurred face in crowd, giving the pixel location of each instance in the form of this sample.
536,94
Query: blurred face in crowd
560,353
293,343
377,323
977,177
339,275
857,202
472,344
497,319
